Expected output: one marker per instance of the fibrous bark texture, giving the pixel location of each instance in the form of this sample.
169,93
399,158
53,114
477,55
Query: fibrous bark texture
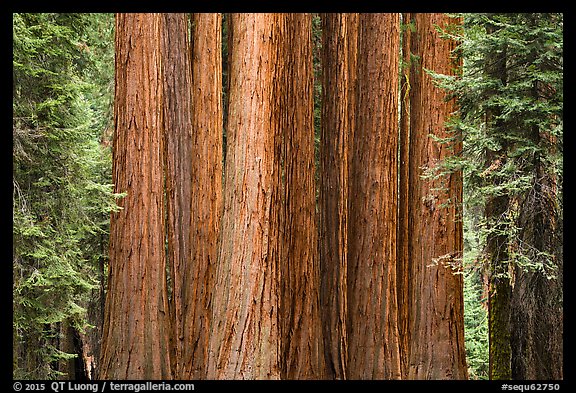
176,106
339,36
135,343
372,330
435,227
196,278
301,330
403,264
245,340
536,308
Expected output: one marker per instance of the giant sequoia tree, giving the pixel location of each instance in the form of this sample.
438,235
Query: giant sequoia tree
302,344
403,232
267,321
196,277
372,328
178,125
245,340
339,33
137,328
176,135
436,346
227,261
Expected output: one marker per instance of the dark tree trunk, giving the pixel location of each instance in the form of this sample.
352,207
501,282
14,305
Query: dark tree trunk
536,301
339,34
403,234
497,242
177,125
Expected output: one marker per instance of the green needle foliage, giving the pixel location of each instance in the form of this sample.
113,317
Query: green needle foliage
475,302
510,118
62,196
511,121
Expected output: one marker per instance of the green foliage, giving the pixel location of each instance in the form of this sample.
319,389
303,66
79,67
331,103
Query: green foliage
317,68
62,196
475,305
475,326
510,95
510,118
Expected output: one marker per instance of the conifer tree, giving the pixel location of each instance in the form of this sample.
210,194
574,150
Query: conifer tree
510,97
62,195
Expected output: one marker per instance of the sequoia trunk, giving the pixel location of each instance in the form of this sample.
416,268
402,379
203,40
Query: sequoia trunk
403,234
135,343
435,226
372,330
338,77
176,106
302,353
245,341
197,277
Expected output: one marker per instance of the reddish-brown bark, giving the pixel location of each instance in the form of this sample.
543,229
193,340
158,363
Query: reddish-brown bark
338,77
135,343
245,341
177,124
301,330
436,349
372,329
403,267
206,196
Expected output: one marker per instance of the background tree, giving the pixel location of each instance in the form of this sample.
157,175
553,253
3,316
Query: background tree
497,240
195,276
403,233
537,295
339,36
510,96
177,144
302,344
61,192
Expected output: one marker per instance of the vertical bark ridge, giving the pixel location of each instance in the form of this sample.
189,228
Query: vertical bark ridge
300,276
336,129
205,203
403,234
177,162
